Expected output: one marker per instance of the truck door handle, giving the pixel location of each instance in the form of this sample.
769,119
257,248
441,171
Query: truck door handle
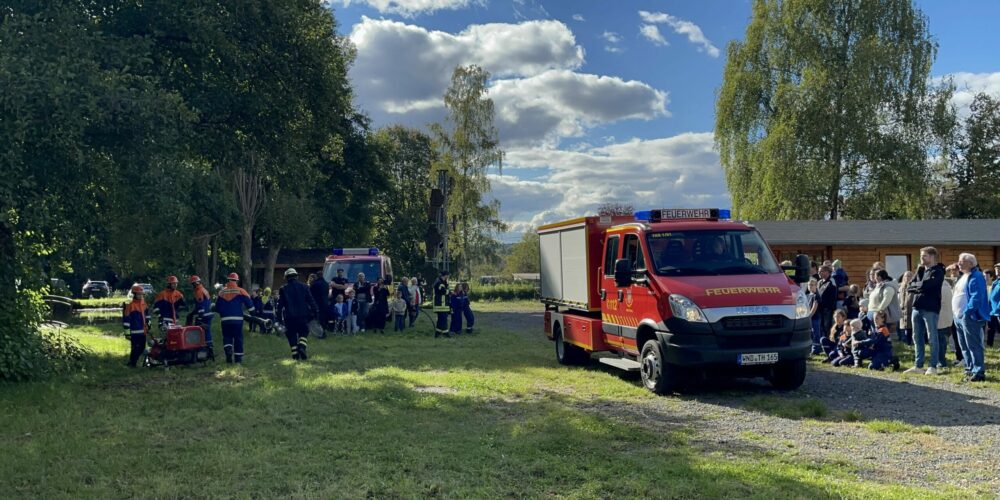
604,294
621,295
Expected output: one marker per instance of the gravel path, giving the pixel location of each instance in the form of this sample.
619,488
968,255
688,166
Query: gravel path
961,447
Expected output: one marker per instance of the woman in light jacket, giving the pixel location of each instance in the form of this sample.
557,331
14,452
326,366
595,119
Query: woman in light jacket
885,297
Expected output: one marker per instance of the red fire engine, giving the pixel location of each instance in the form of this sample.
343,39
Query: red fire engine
369,261
672,293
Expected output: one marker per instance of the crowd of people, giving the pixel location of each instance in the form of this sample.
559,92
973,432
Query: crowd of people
318,306
931,305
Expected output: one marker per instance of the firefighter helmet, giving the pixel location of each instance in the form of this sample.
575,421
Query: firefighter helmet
291,272
194,279
233,277
137,290
171,280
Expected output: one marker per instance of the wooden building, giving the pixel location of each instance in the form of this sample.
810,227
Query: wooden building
897,243
304,260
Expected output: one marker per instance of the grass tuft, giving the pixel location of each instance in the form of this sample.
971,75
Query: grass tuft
896,427
795,409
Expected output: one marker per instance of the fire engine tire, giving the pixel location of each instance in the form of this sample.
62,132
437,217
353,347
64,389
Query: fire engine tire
566,353
788,376
657,375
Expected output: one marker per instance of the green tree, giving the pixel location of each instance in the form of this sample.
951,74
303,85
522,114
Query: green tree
268,80
469,148
976,162
78,110
401,219
825,110
290,221
524,256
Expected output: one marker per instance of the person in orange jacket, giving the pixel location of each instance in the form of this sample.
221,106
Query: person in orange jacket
134,322
170,300
232,299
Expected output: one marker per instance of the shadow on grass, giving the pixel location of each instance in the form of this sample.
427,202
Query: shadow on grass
255,431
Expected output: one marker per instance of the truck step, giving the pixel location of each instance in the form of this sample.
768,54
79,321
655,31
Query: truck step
622,363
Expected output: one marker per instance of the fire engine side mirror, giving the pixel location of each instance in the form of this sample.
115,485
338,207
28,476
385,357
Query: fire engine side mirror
623,273
802,266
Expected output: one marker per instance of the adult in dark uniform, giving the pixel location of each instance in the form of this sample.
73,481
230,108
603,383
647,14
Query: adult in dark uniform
441,305
296,308
320,290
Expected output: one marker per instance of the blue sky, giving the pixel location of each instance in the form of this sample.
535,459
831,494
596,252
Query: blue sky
596,100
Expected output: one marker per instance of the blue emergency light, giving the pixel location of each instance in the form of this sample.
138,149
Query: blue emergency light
370,251
661,214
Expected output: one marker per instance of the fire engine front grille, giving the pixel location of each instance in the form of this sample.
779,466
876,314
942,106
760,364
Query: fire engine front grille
762,341
752,322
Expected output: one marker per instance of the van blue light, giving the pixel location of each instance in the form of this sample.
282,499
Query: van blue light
660,214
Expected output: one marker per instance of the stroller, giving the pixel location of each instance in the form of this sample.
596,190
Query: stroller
177,345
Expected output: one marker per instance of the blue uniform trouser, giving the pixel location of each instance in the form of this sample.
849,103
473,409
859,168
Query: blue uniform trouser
456,321
442,322
297,332
207,327
232,340
970,340
138,342
470,319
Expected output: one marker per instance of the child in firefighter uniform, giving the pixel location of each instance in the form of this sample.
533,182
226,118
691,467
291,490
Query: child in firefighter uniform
459,301
470,319
134,322
232,299
441,306
170,300
878,347
202,313
296,308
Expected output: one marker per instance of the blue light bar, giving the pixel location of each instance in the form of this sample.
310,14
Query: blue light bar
657,215
370,251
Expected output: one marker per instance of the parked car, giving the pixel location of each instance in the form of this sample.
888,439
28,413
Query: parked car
95,289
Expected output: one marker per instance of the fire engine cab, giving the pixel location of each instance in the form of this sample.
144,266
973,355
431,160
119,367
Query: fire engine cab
367,260
674,294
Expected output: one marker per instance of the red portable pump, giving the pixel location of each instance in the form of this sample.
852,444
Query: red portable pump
179,345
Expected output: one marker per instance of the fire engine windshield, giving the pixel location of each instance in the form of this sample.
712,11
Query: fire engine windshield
371,268
710,253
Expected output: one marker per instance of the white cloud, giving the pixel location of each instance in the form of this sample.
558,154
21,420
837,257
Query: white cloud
680,26
652,33
561,103
614,40
402,71
410,8
967,85
578,18
682,171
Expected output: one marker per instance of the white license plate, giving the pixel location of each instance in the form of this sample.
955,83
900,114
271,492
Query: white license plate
760,358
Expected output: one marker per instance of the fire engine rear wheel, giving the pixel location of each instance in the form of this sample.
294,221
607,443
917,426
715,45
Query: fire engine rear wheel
566,353
657,375
788,376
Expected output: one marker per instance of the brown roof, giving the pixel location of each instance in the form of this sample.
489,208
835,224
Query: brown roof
984,232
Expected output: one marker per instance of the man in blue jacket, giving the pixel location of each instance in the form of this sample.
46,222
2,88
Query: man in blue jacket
972,310
296,308
230,304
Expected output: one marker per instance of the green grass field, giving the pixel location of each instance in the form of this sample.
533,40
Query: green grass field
376,416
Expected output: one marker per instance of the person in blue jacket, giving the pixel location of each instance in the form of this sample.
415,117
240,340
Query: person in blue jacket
455,303
134,322
972,310
203,311
230,304
877,347
296,308
994,326
470,319
258,306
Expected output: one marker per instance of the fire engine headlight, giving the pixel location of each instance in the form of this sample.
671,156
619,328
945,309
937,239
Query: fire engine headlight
801,305
685,308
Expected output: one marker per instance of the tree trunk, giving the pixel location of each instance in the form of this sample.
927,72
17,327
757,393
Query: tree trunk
250,197
213,278
201,244
272,260
246,254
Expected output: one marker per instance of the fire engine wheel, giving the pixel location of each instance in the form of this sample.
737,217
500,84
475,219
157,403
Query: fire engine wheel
566,353
788,376
657,375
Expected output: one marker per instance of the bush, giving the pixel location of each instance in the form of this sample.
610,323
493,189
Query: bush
503,291
28,351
